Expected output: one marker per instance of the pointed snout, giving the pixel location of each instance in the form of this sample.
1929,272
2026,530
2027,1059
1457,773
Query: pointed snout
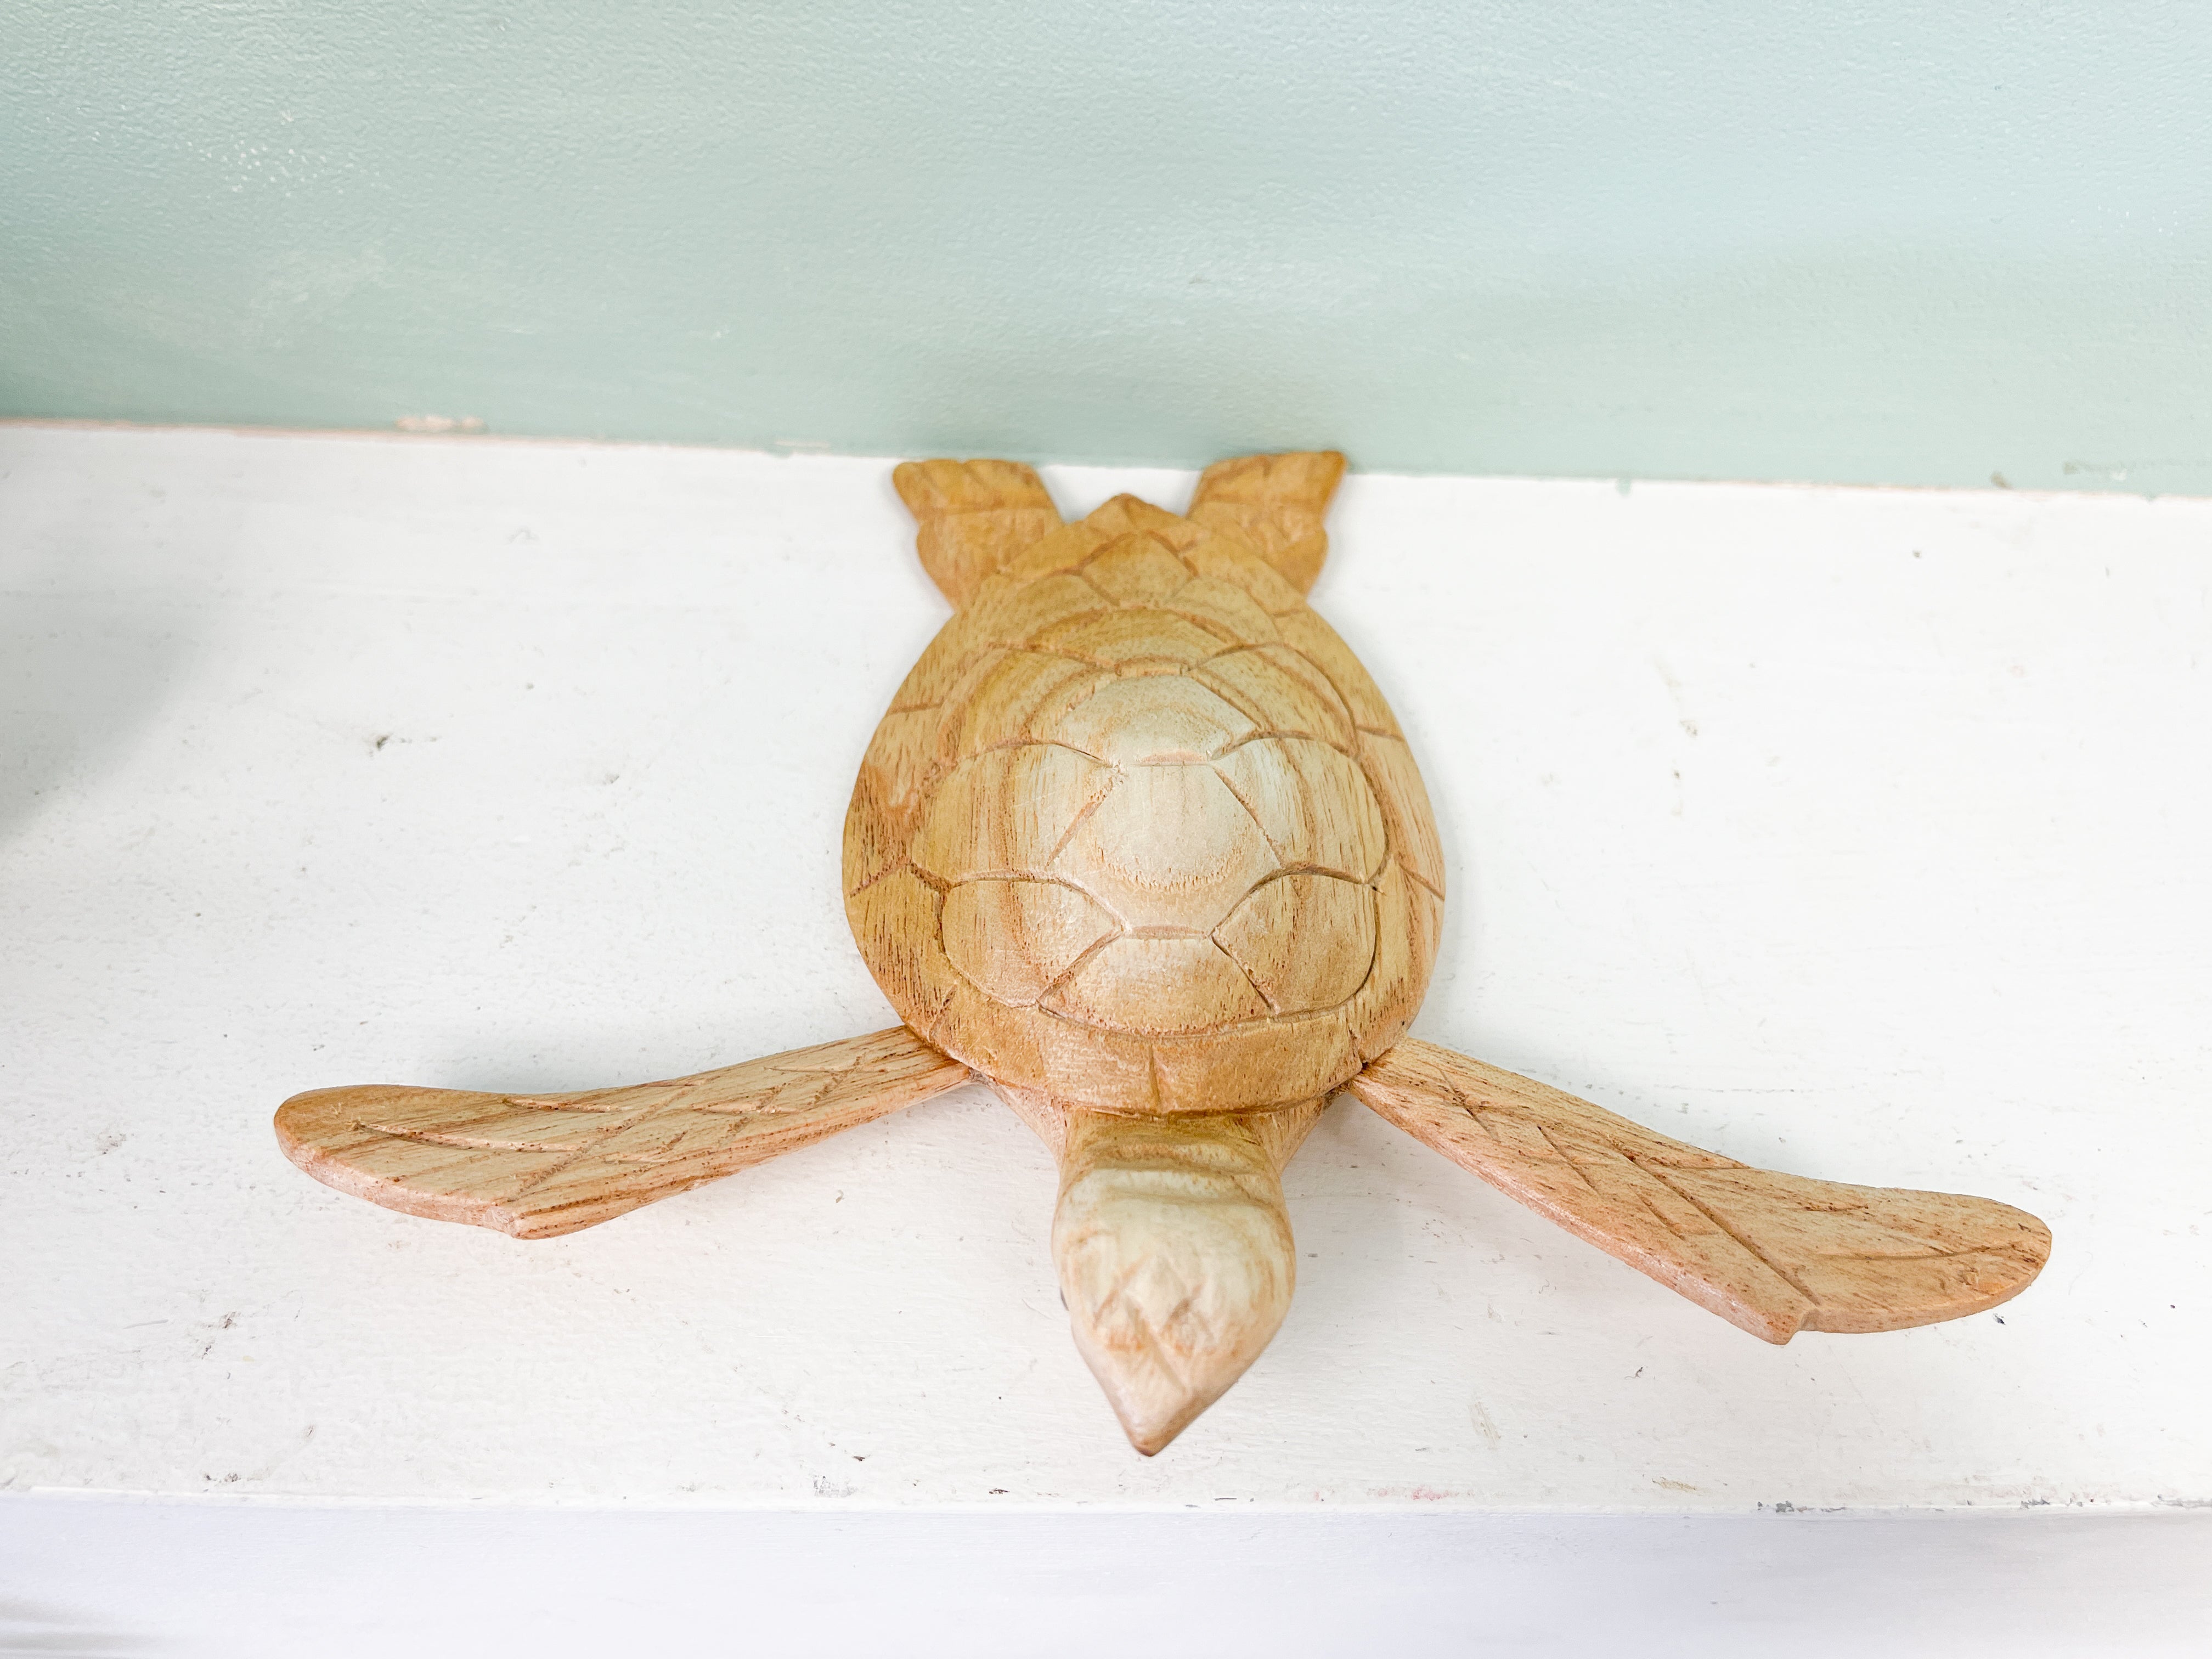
1176,1263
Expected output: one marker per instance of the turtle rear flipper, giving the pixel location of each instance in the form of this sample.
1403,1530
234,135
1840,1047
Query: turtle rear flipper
1275,505
1773,1255
972,517
1174,1252
535,1166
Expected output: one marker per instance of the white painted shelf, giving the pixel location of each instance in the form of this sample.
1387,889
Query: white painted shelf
1861,834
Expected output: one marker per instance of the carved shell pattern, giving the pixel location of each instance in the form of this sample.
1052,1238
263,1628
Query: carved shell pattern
1139,833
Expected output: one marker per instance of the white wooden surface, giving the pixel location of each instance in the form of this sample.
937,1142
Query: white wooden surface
267,1579
1854,833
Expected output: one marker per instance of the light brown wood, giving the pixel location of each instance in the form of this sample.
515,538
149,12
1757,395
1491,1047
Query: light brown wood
1140,834
1139,843
1771,1254
1175,1254
1275,505
973,515
535,1166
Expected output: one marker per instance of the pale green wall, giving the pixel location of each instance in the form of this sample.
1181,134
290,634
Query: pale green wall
1879,241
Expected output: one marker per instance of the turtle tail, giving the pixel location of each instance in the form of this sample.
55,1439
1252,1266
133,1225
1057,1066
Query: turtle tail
1175,1254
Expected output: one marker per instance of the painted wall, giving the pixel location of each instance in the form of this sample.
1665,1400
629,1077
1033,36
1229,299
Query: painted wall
1879,241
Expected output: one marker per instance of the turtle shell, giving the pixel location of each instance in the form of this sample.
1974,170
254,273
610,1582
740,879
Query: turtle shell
1140,834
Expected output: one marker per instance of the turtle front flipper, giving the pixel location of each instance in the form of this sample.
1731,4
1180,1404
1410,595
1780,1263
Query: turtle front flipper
1771,1254
535,1166
972,517
1174,1251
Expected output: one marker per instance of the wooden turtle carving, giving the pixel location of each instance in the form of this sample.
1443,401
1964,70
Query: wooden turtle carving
1139,845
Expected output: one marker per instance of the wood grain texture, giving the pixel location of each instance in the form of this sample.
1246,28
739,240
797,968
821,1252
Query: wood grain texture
1175,1254
1274,504
971,517
535,1166
1139,843
1771,1254
1138,834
